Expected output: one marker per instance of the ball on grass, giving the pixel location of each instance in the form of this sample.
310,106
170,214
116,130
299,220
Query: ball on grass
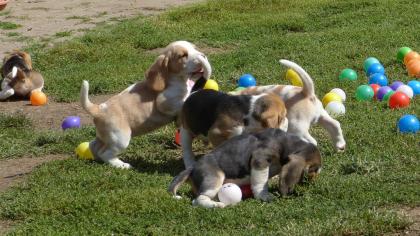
348,74
388,95
369,61
38,98
409,124
340,93
247,80
382,91
71,122
375,68
413,55
375,88
230,194
396,84
399,100
294,78
83,151
335,109
407,90
364,93
415,86
329,97
378,78
402,52
413,68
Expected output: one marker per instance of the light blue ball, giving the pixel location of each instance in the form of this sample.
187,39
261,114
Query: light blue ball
375,68
378,78
415,85
409,124
247,80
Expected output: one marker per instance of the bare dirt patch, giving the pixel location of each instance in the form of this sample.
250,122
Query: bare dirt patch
413,214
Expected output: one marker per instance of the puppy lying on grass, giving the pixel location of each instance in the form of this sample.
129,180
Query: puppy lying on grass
251,159
19,79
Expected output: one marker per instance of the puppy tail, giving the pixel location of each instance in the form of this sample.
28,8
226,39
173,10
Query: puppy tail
308,84
91,108
178,180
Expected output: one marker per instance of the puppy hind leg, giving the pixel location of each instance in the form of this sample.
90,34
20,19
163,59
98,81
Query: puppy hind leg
333,127
208,191
108,152
291,174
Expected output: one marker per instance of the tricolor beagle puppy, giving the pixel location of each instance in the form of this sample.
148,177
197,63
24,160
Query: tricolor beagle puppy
146,105
19,79
251,159
220,116
303,107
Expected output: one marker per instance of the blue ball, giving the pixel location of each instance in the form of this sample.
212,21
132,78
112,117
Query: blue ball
378,78
415,85
375,68
247,80
409,124
368,62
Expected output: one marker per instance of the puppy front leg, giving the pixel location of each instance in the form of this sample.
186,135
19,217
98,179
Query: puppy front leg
6,92
291,174
259,184
186,145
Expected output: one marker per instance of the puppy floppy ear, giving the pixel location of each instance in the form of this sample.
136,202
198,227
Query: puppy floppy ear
157,74
271,110
291,174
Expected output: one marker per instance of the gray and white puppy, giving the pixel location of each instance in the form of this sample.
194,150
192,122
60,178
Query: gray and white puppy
251,159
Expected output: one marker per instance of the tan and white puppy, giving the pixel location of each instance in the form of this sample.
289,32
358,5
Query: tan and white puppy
251,159
303,107
146,105
220,116
19,79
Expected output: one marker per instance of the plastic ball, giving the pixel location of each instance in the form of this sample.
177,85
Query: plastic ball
294,78
407,90
388,95
329,97
239,89
211,84
382,91
335,109
348,74
409,124
178,137
398,100
340,93
246,191
364,93
83,151
375,88
71,122
402,52
375,68
38,98
378,78
413,68
411,56
230,194
396,84
415,86
247,80
369,61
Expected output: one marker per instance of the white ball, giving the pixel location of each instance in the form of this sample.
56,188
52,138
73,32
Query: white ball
230,194
335,108
407,90
340,93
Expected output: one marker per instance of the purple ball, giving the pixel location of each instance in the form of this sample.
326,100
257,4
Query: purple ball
71,122
382,91
396,84
378,78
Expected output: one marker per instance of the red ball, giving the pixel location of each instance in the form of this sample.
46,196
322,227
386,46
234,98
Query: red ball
178,137
399,100
375,88
246,191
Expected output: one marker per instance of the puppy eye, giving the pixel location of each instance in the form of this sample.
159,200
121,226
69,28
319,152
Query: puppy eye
183,55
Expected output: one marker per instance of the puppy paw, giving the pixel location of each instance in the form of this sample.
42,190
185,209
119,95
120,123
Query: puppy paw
177,197
123,165
341,146
265,197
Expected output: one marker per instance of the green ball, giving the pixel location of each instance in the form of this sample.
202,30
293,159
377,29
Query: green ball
348,74
369,61
239,89
364,93
402,52
387,96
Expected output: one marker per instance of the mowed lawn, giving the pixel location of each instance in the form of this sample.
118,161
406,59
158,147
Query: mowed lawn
358,191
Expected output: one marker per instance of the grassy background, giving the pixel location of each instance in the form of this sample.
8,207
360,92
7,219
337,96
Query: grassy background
358,190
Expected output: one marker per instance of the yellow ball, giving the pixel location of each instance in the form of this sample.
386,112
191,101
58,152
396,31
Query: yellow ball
294,78
329,97
211,84
83,151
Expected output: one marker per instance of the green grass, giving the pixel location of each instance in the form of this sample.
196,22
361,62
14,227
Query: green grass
8,25
63,34
358,190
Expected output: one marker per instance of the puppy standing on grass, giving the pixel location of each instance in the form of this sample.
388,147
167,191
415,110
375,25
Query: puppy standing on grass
220,116
18,77
303,107
251,159
146,105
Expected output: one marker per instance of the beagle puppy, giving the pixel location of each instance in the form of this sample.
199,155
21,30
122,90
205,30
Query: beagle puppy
251,159
19,79
220,116
303,107
146,105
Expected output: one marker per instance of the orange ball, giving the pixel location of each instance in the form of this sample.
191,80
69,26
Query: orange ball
413,68
410,56
38,98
